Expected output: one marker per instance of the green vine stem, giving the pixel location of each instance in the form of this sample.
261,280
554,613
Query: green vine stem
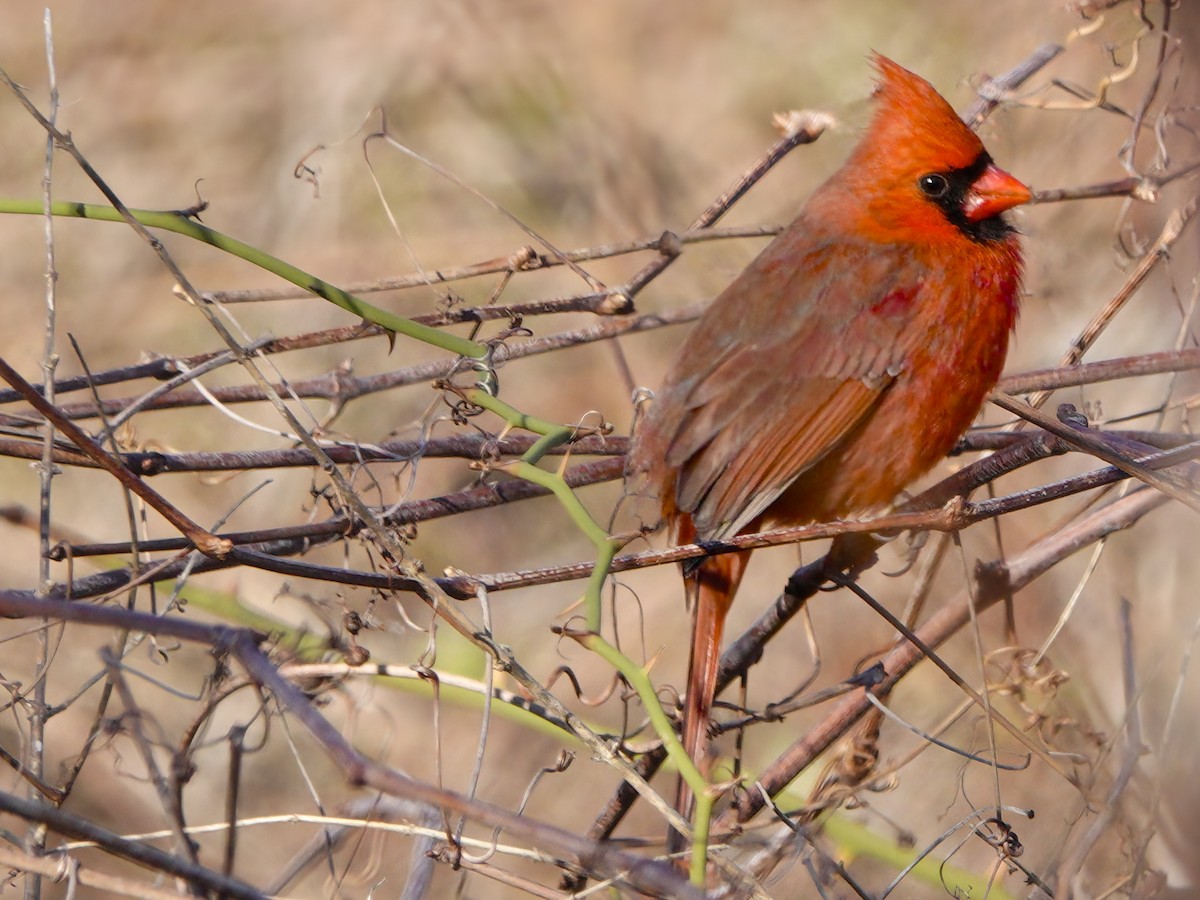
606,549
639,679
552,435
180,223
857,840
526,468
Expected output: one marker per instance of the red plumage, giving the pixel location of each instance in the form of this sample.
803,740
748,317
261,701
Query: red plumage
845,360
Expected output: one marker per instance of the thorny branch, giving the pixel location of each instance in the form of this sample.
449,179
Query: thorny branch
38,425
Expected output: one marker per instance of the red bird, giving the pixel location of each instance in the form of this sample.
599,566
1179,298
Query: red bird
843,362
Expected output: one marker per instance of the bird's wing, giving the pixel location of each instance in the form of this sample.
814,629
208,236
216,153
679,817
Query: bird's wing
830,338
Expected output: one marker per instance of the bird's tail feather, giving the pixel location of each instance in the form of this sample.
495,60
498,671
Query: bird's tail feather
710,589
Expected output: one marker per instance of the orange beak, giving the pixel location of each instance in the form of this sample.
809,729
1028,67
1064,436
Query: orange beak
992,193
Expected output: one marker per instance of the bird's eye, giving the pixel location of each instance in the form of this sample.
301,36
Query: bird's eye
934,185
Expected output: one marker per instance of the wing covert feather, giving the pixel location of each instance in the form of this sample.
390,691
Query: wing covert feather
743,421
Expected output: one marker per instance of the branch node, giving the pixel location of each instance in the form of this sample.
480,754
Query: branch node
1147,191
669,244
803,125
615,303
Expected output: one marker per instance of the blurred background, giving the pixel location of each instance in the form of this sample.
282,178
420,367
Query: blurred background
592,123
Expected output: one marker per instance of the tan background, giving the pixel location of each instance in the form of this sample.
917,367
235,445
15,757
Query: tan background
592,122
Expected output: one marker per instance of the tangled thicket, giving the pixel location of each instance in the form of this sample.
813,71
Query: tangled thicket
371,667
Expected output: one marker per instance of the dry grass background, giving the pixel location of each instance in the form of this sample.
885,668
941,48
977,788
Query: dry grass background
591,122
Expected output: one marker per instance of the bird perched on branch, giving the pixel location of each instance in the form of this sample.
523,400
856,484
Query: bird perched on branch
844,361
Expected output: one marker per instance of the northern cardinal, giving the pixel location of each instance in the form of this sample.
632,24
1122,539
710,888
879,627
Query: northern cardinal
844,361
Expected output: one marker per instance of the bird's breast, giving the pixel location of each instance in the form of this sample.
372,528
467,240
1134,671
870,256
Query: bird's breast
956,347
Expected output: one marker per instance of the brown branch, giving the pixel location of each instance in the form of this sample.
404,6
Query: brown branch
206,543
327,387
1094,443
993,91
996,580
1075,374
360,771
1121,187
169,367
480,496
145,855
462,446
1176,224
341,387
974,441
475,446
269,549
525,259
1143,187
805,129
854,549
850,552
922,514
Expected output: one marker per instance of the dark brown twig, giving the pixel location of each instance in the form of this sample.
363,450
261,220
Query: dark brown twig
993,91
995,581
657,878
206,543
145,855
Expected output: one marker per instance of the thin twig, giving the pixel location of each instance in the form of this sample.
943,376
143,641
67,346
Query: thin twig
35,748
145,855
995,581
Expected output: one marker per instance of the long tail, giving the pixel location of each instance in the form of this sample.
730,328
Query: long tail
710,590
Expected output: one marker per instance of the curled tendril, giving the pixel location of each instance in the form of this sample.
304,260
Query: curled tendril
488,382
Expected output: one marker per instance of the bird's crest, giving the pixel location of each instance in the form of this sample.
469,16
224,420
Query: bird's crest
913,121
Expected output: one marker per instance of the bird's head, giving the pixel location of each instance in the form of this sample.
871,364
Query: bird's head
922,173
